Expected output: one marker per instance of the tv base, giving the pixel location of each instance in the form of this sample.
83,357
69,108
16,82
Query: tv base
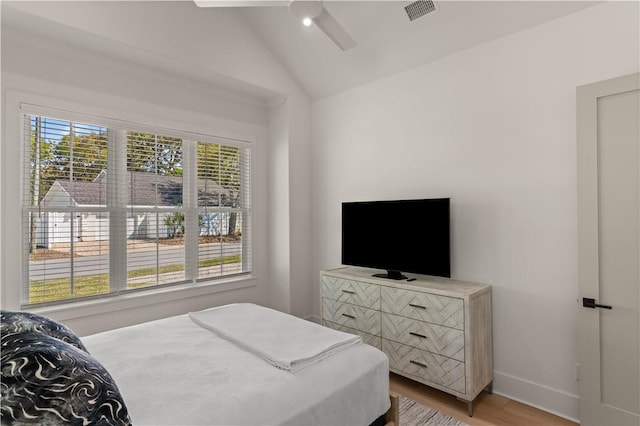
391,275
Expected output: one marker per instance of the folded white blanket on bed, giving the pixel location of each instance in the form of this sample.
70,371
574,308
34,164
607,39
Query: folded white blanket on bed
281,339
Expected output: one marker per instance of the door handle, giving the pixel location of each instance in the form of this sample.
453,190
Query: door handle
591,303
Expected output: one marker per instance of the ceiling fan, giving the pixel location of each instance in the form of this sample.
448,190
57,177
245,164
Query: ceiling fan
309,11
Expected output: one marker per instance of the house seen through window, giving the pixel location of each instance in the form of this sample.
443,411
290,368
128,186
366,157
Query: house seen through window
109,209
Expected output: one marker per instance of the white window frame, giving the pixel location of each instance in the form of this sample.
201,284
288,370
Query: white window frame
12,211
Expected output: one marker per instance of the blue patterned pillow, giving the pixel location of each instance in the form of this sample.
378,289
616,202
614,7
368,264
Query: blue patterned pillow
47,381
18,322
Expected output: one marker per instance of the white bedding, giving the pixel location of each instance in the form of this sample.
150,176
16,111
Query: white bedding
174,372
282,340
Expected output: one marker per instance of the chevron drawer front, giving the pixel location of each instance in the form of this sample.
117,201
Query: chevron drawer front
353,316
350,291
425,366
443,310
437,339
367,338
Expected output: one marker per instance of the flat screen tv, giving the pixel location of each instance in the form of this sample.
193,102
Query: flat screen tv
397,236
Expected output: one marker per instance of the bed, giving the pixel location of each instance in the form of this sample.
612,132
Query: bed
185,370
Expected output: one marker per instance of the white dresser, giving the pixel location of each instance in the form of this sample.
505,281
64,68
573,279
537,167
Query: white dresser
436,331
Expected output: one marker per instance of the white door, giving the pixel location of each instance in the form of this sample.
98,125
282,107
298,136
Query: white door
608,115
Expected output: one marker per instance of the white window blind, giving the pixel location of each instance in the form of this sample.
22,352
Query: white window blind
107,209
220,197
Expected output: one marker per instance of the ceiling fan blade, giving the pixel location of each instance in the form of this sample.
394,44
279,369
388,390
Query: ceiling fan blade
239,3
299,8
333,30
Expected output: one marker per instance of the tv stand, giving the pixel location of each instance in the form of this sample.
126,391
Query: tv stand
391,275
436,331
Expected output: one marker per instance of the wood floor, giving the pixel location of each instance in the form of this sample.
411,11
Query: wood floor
488,409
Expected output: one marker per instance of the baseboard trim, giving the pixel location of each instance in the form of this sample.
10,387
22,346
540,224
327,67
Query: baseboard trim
551,400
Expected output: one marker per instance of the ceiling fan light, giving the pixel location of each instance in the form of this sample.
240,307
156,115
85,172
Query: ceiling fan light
307,22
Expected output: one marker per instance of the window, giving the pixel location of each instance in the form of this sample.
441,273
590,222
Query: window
109,208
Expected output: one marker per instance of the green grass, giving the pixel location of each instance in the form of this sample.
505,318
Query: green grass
91,285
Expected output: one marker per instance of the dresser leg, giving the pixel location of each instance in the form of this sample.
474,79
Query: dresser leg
489,388
469,406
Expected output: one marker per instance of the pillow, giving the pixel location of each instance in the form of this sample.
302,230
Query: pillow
47,381
18,322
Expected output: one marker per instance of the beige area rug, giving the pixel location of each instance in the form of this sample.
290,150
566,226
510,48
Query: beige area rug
413,413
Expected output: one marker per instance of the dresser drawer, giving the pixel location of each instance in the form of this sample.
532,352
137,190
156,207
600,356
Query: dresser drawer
351,291
357,317
425,366
441,310
367,338
440,340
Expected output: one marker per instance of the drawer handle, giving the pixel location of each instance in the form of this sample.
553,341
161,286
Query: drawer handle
422,336
349,291
348,316
418,363
417,306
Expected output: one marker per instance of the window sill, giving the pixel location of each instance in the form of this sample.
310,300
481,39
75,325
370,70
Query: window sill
87,308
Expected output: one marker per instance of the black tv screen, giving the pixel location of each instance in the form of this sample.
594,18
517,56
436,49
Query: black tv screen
397,236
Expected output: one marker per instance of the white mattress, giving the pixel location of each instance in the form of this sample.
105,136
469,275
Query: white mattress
174,372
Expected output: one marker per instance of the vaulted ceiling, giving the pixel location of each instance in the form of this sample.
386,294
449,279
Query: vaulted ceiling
387,41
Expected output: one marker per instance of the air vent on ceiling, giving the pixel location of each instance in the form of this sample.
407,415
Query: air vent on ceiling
419,8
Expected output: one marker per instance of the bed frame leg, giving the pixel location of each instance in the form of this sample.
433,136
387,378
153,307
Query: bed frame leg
392,416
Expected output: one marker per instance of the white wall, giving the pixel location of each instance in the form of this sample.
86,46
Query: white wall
216,77
493,128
